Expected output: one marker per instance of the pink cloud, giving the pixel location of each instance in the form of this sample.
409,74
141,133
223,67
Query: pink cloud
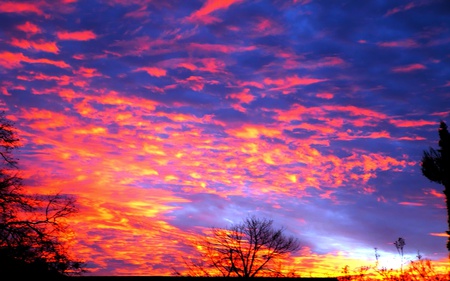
142,12
203,14
289,82
28,27
327,96
266,27
243,97
212,65
143,45
325,62
153,71
409,68
400,9
251,83
407,43
76,35
219,48
409,6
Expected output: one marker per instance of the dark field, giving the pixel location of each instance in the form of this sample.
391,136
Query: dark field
168,278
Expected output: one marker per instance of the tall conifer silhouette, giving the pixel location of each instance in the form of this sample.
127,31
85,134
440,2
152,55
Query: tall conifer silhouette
436,167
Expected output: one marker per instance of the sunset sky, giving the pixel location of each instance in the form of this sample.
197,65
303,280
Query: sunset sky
166,118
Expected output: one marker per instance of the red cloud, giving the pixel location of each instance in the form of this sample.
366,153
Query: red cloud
14,7
153,71
49,47
28,27
76,35
409,68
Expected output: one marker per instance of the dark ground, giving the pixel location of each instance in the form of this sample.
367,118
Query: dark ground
169,278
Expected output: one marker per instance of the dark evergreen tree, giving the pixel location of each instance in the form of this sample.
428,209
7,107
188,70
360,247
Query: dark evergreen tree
436,167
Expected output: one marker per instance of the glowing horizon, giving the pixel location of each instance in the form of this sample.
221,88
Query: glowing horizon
164,119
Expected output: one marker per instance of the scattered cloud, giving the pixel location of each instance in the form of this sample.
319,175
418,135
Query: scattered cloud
84,35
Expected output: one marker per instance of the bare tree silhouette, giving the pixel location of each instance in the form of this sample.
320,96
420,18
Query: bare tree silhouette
247,249
30,225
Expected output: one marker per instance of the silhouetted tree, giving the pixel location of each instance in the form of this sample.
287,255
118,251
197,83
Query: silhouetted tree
31,225
248,249
436,167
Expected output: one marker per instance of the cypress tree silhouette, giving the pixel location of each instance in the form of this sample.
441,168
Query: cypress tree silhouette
436,167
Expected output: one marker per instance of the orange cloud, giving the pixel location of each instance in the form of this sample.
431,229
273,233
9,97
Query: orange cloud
254,131
28,27
76,35
439,234
412,123
413,204
153,71
13,60
189,66
49,47
409,68
87,72
244,96
435,193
